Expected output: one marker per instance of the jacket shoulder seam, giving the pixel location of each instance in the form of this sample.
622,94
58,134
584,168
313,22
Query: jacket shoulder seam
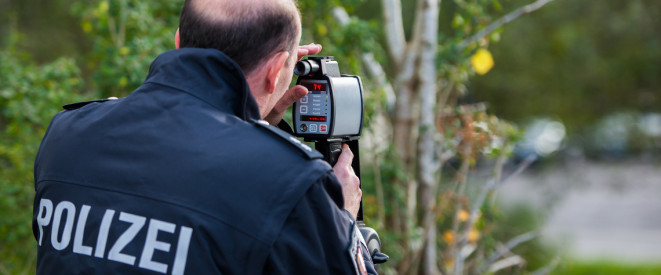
307,151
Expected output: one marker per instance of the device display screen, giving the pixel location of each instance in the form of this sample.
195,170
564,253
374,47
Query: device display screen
313,118
315,87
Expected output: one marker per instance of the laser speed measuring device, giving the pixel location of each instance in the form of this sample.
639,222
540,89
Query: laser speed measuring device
329,115
333,107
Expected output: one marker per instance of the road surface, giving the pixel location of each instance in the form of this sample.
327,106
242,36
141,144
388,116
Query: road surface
597,210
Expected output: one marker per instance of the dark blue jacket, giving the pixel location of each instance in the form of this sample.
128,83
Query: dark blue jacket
178,178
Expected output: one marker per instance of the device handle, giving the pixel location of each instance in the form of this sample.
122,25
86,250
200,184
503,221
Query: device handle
332,148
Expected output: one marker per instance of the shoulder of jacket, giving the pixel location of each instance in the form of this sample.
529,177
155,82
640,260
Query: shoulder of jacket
307,151
78,105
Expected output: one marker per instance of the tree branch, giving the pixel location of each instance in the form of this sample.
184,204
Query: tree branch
502,21
492,184
373,67
394,27
507,247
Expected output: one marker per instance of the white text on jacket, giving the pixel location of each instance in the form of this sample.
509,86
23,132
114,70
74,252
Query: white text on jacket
60,218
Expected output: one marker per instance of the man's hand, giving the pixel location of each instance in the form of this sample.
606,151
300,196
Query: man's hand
349,181
294,93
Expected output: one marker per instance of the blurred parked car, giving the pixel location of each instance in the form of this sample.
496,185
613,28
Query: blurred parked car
542,137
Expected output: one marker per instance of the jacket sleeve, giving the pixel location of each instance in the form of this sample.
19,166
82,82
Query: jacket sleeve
317,236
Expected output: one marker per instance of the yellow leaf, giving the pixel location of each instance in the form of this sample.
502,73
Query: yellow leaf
448,237
102,9
473,235
123,81
482,61
87,26
463,215
322,30
124,50
449,263
103,6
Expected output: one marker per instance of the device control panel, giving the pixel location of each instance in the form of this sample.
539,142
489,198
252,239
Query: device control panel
312,113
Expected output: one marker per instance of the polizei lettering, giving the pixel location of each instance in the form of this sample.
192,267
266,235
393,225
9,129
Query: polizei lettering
68,224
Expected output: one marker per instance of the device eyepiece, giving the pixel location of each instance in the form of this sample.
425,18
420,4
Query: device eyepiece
305,67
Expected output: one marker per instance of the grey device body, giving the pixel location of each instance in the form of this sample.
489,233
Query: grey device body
333,107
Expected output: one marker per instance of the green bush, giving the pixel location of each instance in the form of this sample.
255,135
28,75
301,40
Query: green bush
29,96
127,35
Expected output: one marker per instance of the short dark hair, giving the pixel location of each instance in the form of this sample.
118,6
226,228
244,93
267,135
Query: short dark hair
247,37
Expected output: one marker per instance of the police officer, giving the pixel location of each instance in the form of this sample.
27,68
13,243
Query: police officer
184,177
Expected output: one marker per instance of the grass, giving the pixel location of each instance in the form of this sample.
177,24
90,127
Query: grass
608,268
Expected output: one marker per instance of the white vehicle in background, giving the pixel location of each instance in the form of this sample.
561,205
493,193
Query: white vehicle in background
542,137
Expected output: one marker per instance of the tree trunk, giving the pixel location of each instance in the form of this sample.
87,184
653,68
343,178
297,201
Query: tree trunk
416,77
429,10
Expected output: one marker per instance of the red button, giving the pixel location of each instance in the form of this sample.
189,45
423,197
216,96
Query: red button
322,128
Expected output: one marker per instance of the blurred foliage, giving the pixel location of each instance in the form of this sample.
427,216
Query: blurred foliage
47,28
480,141
347,42
518,219
126,35
577,61
29,96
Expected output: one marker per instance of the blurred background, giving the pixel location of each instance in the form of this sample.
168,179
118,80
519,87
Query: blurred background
544,132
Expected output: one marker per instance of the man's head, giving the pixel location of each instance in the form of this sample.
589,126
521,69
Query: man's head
261,36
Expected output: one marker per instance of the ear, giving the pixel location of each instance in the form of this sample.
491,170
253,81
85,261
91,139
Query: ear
176,39
274,66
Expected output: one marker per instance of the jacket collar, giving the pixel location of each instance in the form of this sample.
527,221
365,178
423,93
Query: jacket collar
209,75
